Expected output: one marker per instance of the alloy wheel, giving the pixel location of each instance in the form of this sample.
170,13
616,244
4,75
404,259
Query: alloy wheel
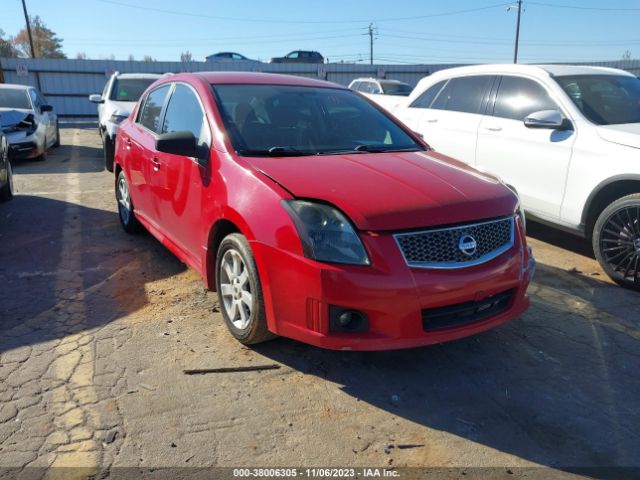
235,289
620,243
124,201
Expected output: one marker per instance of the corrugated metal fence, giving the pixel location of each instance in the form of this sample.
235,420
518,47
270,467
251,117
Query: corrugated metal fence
68,83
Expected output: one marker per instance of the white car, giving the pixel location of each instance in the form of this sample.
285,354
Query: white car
28,121
565,138
120,94
386,93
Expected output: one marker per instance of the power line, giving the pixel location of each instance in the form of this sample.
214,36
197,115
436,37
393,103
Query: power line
576,7
263,20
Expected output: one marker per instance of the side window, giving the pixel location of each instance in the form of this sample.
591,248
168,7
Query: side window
519,97
35,101
426,99
464,94
293,55
152,109
105,90
184,113
356,86
375,88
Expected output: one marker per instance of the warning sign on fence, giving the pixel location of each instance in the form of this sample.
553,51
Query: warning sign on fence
22,70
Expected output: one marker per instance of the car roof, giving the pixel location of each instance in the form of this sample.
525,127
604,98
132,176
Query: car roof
539,71
139,75
15,86
220,78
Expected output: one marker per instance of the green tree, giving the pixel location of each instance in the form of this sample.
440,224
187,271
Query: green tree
45,42
6,47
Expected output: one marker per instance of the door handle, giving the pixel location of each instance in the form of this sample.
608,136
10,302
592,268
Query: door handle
494,129
156,164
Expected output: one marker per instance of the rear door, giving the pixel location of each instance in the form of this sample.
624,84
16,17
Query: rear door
534,161
142,163
181,180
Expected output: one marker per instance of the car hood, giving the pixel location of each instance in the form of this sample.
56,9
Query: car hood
121,108
12,116
625,134
393,191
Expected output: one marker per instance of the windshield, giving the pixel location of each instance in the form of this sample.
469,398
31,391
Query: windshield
281,120
129,89
604,99
14,98
393,88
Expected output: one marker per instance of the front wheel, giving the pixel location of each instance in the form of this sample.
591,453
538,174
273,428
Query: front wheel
6,192
240,292
57,142
616,241
108,151
127,217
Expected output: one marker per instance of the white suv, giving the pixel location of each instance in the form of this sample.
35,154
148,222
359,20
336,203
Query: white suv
565,138
386,93
116,102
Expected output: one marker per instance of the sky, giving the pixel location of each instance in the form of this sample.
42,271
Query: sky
406,31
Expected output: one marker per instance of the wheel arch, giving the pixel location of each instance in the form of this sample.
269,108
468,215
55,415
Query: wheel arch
604,194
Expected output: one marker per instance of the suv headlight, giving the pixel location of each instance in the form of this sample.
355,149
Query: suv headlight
326,234
118,119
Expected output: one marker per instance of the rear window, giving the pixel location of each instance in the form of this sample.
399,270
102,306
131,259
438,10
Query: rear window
393,88
129,89
273,120
14,98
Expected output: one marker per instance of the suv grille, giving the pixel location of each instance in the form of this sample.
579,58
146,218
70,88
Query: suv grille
458,246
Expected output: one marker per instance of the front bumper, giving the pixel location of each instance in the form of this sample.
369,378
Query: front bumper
25,150
301,293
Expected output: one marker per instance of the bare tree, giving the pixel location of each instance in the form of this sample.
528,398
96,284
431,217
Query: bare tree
148,58
45,42
6,47
81,56
626,55
130,57
186,56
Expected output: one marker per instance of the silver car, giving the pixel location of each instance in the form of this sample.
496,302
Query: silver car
29,123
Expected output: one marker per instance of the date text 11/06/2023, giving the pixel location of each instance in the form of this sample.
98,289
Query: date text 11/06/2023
315,472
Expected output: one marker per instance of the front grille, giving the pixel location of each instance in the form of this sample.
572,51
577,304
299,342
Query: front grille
465,313
452,247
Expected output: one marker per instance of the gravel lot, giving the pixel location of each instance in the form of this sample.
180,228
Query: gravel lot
96,328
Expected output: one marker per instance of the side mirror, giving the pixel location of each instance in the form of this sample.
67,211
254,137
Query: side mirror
549,119
46,108
96,98
177,143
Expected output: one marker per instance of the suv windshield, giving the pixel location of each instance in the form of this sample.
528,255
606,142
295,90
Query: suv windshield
14,98
604,99
393,88
284,120
129,89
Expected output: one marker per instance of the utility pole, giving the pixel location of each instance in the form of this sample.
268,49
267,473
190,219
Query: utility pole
515,52
371,43
26,19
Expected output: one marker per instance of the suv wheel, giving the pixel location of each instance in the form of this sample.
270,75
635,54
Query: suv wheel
108,149
127,217
6,192
240,292
616,241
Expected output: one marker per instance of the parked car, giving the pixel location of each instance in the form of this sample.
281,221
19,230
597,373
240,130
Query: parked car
317,216
299,56
223,57
120,94
6,174
566,138
386,93
28,121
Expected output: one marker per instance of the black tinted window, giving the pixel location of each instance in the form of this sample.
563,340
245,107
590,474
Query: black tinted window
185,114
129,89
152,108
464,94
519,97
425,100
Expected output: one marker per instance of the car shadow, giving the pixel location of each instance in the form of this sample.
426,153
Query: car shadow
565,240
58,160
558,386
67,268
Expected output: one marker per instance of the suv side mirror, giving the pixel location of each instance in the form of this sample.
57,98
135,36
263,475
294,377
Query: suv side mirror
96,98
177,143
550,119
46,108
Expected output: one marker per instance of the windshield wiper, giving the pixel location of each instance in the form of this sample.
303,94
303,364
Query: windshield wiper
372,149
276,151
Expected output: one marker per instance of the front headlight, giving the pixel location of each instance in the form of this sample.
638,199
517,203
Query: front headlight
118,119
326,234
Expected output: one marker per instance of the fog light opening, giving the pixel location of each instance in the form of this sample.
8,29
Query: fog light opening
347,320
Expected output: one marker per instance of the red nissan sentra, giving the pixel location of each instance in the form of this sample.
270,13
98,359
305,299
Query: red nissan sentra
317,216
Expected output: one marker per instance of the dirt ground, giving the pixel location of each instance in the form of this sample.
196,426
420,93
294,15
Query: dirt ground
96,328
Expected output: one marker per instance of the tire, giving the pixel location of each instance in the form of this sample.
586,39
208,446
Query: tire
6,192
240,292
57,144
126,214
43,156
108,150
616,241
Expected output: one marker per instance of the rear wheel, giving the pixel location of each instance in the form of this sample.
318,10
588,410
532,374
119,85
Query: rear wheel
6,192
127,217
616,241
240,292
